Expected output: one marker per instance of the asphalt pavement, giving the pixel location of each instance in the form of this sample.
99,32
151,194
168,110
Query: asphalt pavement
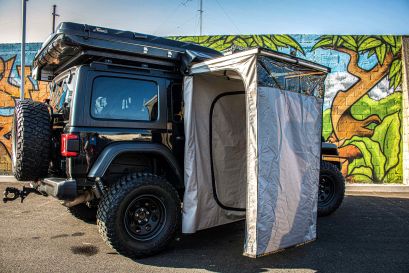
367,234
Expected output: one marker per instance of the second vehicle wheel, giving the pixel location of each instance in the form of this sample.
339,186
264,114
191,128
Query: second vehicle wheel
331,189
139,215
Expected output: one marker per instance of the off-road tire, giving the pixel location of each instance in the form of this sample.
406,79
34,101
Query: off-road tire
84,213
31,137
333,176
116,201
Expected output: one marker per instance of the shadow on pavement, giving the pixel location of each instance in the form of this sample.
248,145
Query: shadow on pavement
367,234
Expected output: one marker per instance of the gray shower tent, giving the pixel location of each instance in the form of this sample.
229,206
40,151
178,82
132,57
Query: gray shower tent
253,142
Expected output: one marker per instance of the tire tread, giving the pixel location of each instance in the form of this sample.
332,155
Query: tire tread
112,200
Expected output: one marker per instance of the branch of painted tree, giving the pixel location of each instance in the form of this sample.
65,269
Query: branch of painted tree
353,67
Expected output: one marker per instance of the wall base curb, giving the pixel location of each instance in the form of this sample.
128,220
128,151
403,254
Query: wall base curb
379,188
7,178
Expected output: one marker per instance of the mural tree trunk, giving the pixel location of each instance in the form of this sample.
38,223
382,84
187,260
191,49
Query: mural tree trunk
345,126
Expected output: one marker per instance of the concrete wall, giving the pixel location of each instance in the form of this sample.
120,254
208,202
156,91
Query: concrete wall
362,107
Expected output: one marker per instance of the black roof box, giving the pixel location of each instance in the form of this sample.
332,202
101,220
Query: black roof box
74,44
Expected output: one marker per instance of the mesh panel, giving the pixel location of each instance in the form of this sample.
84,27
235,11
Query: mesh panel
290,77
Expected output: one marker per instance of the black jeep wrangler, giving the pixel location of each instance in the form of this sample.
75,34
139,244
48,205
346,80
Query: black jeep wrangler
109,141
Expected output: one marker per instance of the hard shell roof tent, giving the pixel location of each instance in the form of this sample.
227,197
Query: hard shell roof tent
74,44
253,139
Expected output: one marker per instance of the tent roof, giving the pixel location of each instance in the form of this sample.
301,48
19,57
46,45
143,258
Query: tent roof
196,68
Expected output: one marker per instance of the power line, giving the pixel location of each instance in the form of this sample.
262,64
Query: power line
171,14
186,22
228,16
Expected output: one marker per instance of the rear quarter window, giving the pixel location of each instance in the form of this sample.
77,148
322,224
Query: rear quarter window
124,99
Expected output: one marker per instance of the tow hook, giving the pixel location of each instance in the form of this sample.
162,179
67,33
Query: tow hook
16,193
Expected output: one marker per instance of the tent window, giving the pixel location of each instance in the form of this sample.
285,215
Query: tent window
290,77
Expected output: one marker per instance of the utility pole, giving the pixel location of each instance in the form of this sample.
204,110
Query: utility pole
54,15
201,16
23,49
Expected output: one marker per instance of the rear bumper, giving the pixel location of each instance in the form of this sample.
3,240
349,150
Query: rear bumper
60,188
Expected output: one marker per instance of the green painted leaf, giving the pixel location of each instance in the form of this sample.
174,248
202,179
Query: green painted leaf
391,82
363,170
371,52
360,178
340,42
398,47
395,68
369,43
348,46
269,43
372,154
213,40
367,106
326,124
388,135
229,39
390,39
398,79
277,42
258,40
381,53
358,162
289,41
322,43
240,41
349,39
360,39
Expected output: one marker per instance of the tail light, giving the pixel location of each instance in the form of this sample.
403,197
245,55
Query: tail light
70,145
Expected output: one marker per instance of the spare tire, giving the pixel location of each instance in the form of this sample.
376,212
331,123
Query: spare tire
31,140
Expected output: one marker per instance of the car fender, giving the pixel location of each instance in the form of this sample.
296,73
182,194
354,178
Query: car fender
112,151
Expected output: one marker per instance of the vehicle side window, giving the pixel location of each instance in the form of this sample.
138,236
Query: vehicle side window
124,99
61,94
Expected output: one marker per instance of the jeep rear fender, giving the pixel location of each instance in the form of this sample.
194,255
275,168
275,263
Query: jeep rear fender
112,151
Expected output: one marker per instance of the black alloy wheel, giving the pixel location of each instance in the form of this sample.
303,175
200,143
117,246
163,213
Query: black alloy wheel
326,190
331,189
145,217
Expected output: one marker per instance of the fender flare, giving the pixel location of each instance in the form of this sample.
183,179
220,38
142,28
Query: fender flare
112,151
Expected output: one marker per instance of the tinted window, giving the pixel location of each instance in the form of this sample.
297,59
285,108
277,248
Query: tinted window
121,98
62,93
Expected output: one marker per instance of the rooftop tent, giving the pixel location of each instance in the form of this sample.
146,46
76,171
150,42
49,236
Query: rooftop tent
253,138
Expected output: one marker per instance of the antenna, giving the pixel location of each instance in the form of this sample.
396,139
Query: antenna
201,17
54,15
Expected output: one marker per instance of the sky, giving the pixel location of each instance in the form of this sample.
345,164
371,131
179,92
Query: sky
181,17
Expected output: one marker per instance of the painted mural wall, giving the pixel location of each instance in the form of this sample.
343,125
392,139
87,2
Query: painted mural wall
363,101
10,71
362,106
